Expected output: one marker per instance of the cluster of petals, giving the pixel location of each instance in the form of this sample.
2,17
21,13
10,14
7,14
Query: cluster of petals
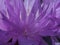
27,21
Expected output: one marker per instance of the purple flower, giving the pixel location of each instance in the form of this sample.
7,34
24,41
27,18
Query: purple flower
29,22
